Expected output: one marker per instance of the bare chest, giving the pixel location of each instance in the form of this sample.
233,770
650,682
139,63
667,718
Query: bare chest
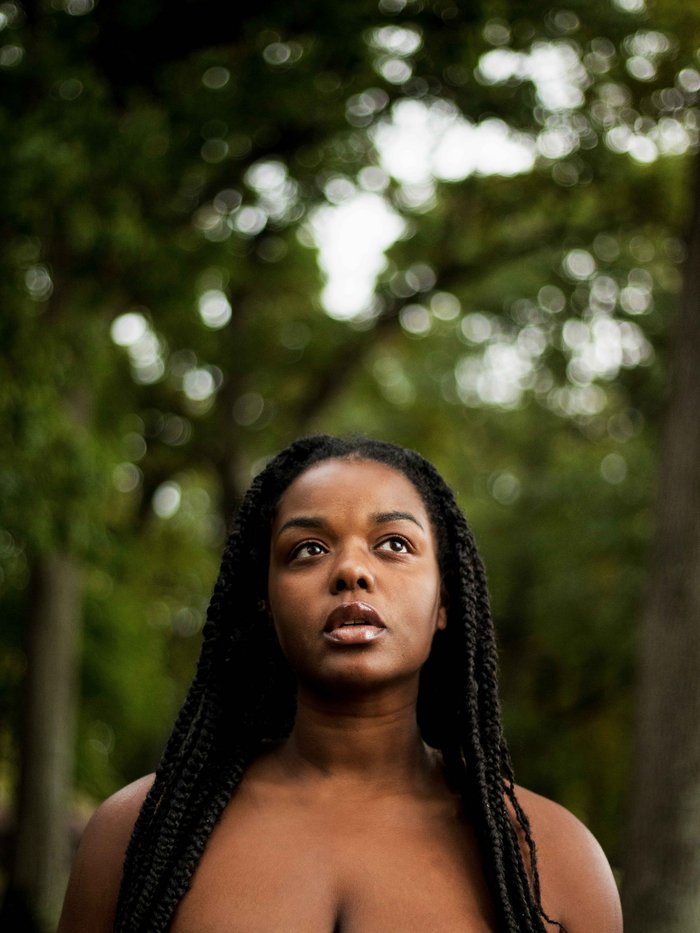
338,869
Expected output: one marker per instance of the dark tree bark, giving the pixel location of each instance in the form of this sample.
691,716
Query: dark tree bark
41,858
661,891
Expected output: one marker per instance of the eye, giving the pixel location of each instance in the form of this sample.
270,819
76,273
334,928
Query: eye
396,544
308,549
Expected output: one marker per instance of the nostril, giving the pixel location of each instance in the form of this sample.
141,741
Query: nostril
358,579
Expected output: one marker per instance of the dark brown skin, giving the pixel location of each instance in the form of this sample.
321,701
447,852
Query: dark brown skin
348,826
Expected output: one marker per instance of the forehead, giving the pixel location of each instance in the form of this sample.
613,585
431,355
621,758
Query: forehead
352,485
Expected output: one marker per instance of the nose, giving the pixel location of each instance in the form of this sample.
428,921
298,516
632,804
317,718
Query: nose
351,573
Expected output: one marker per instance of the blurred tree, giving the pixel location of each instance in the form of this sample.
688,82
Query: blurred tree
662,863
163,167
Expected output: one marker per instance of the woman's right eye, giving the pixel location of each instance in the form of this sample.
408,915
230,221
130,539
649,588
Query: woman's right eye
308,549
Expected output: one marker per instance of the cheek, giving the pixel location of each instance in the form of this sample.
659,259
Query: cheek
285,595
289,640
437,610
289,616
427,615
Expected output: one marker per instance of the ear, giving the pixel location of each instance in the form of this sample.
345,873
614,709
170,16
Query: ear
442,612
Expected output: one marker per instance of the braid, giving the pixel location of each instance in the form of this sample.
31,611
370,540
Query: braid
473,746
196,777
243,694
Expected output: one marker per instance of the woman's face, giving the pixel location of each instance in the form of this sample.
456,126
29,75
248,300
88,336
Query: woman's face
354,586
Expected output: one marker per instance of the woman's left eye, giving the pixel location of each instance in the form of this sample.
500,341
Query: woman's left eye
394,544
308,549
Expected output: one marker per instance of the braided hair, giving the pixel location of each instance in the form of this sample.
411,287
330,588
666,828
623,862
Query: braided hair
243,694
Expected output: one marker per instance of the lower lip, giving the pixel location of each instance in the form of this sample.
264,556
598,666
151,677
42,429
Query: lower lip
354,634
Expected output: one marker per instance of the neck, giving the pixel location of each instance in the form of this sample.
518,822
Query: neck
369,740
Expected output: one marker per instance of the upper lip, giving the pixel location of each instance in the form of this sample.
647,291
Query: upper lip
353,612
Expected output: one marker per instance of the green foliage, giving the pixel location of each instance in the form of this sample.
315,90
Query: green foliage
141,622
145,177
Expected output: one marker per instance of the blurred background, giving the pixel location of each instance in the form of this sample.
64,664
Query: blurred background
471,229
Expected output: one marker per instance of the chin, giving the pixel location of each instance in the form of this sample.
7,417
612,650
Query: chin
353,679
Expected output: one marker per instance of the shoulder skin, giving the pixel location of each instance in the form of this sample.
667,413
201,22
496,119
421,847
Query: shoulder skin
91,898
578,888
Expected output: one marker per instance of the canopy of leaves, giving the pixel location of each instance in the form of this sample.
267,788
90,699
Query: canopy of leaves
166,168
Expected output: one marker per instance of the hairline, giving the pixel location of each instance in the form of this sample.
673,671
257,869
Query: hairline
403,467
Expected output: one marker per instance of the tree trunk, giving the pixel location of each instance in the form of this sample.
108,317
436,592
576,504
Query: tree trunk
661,890
41,857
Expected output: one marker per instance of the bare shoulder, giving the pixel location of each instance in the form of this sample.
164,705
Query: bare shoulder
578,888
94,883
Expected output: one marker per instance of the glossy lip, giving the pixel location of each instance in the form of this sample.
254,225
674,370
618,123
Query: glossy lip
354,612
352,624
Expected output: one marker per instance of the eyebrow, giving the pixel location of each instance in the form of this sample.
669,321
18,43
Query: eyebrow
303,521
379,518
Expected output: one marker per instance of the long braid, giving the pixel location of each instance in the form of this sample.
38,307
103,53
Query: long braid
517,899
168,838
243,694
491,824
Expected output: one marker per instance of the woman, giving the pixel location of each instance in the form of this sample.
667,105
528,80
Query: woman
339,762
